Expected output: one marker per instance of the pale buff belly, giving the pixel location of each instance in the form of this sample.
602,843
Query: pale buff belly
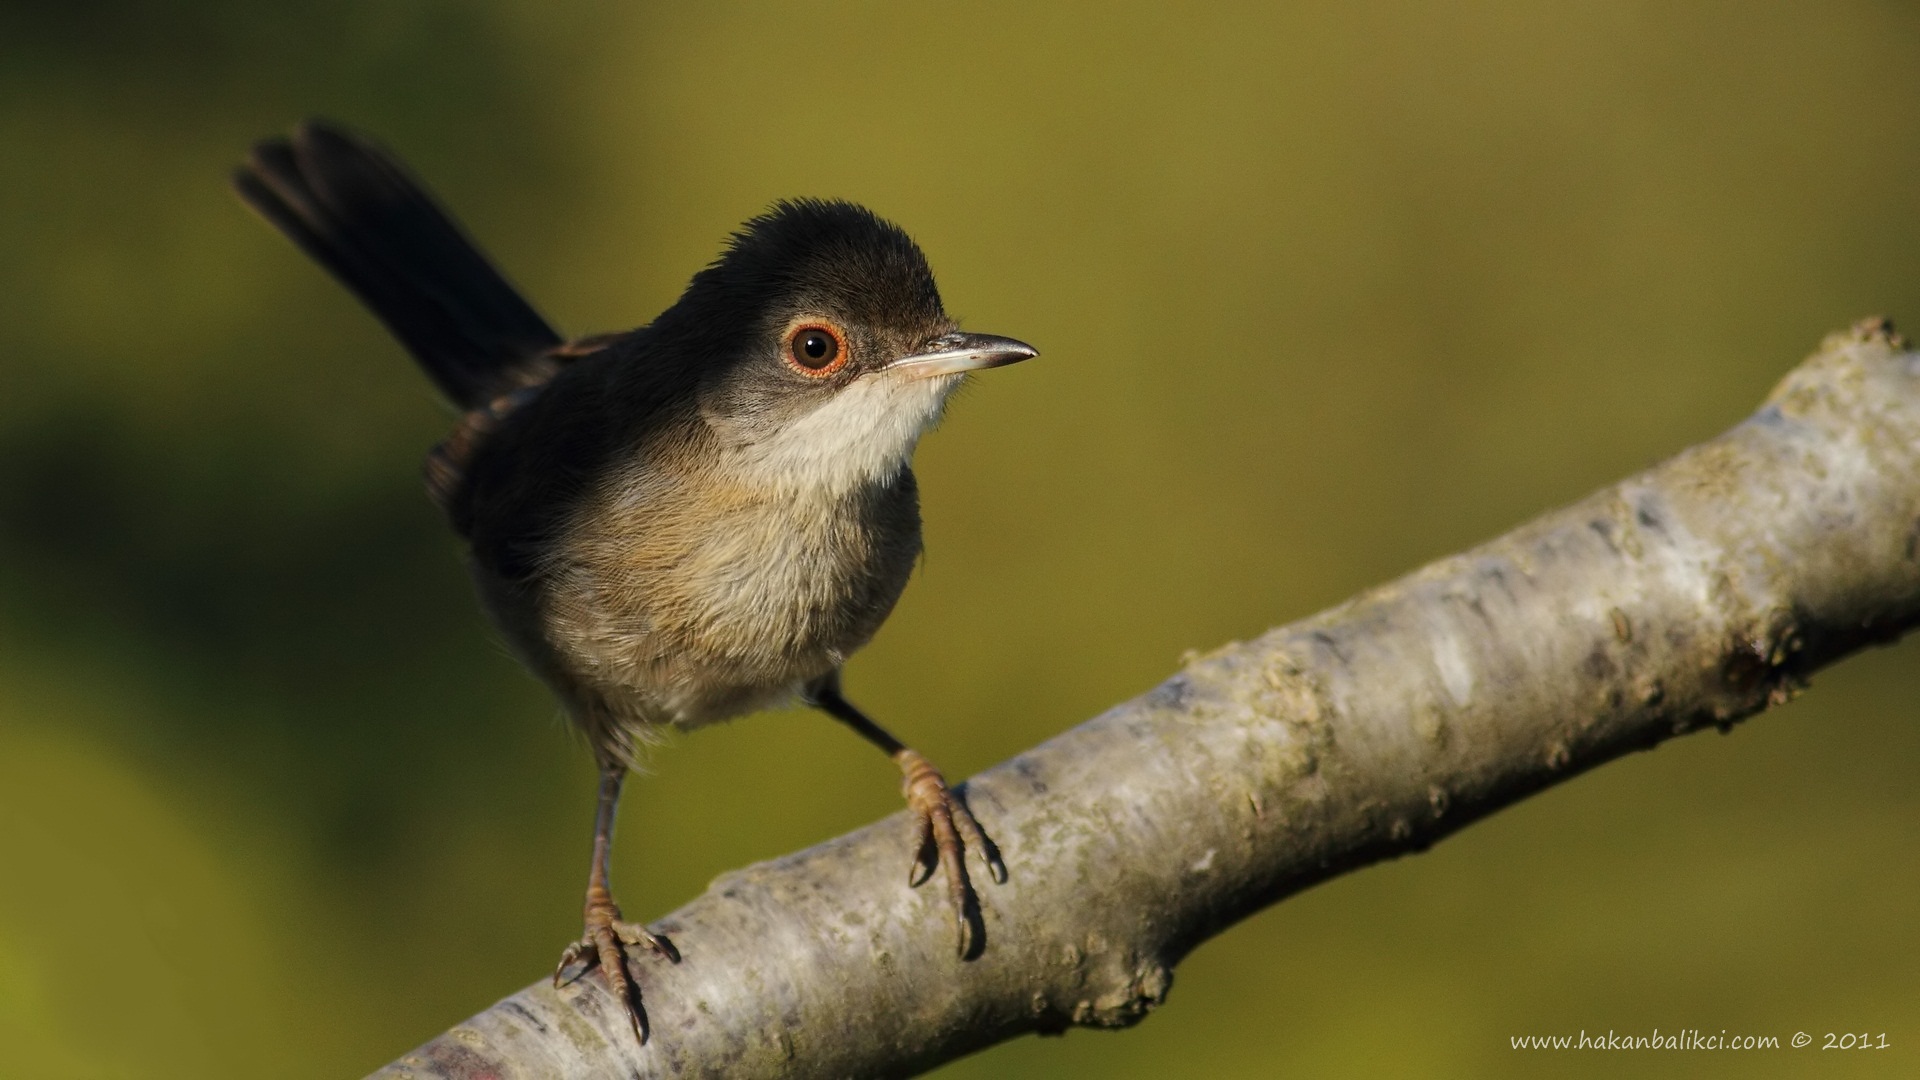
662,624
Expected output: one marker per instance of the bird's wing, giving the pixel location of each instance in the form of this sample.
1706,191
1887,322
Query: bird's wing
446,465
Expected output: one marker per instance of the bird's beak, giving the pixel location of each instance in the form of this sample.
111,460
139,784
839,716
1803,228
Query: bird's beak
951,354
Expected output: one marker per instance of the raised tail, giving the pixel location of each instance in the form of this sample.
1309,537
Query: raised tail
354,209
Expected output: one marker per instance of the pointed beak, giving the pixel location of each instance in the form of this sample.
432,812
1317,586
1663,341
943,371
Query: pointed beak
954,353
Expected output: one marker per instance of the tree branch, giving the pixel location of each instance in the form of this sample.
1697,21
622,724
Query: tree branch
1694,594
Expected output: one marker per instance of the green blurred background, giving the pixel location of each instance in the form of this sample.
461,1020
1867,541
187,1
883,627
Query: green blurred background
1322,295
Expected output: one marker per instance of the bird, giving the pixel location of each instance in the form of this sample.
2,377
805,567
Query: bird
681,523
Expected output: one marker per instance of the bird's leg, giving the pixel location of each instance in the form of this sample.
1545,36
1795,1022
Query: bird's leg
607,937
947,827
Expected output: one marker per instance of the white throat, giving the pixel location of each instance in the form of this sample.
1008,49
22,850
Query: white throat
864,433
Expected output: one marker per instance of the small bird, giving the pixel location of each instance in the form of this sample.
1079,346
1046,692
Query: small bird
681,523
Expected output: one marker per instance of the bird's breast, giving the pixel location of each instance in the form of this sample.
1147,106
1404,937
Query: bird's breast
690,600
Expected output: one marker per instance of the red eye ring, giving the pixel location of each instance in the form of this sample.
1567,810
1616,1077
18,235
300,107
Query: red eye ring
816,349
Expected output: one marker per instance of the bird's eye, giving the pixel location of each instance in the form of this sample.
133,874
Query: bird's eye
816,349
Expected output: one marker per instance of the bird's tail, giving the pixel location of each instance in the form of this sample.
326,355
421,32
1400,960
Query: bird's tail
356,210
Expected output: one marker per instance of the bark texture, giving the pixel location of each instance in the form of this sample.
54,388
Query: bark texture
1691,595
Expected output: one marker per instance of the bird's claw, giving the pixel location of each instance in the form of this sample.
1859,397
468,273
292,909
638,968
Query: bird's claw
605,945
946,830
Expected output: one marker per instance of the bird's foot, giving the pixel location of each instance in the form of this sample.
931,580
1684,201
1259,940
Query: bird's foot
606,945
947,830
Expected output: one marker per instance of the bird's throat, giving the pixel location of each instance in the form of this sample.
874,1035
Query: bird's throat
863,434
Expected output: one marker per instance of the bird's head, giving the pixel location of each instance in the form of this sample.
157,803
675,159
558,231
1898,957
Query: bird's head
823,349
